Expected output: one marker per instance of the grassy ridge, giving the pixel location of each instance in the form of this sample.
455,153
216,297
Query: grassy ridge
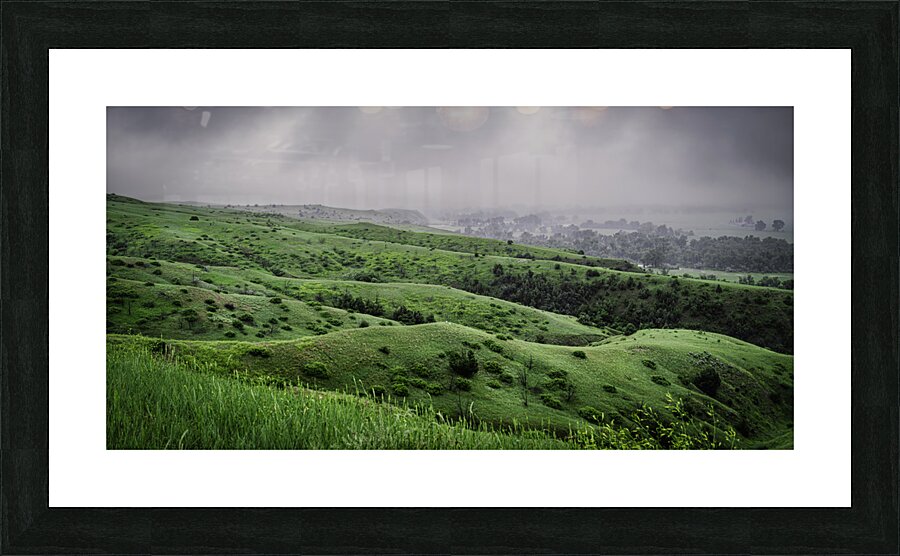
151,299
280,247
612,379
465,244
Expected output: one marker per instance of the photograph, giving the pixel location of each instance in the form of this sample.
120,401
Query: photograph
449,278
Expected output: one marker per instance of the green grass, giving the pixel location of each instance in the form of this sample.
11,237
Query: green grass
305,301
755,396
158,404
267,251
133,307
442,240
161,402
244,301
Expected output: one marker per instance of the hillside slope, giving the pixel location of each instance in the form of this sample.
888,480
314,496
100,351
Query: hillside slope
599,297
549,387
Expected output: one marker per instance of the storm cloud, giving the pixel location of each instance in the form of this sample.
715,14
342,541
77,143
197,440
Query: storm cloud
430,159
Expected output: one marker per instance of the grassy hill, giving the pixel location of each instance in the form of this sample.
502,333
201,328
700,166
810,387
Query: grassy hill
750,388
177,300
280,247
465,244
255,319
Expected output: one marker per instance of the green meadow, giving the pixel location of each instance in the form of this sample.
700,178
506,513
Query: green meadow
255,330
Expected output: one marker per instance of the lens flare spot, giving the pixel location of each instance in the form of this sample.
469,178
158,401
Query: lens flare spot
463,118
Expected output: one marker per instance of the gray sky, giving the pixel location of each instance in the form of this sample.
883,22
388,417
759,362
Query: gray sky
429,158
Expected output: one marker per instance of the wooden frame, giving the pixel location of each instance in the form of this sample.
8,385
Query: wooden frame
30,29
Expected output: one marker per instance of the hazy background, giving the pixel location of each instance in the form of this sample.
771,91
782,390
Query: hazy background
720,159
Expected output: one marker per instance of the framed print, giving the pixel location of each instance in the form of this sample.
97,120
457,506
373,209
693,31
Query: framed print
439,277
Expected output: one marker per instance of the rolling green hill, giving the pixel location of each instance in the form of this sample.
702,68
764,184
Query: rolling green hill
281,247
520,346
749,387
177,300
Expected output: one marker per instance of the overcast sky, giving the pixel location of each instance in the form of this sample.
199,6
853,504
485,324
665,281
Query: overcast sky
429,158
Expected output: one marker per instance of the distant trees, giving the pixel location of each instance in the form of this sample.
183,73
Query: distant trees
760,225
778,225
656,255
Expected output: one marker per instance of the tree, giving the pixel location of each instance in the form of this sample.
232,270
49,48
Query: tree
748,219
656,255
463,363
523,379
778,225
760,225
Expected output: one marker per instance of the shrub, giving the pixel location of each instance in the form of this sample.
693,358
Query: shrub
237,324
385,350
649,364
363,324
610,388
434,388
419,369
260,334
463,363
209,301
377,390
286,327
506,378
493,367
194,218
579,354
259,351
495,384
557,384
316,369
708,381
157,272
400,389
551,401
229,306
275,300
417,382
493,346
661,380
149,284
460,383
246,319
591,414
229,334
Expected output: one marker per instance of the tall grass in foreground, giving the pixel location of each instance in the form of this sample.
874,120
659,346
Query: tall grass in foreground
156,402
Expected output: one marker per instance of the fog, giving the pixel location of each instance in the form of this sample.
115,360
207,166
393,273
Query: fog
471,158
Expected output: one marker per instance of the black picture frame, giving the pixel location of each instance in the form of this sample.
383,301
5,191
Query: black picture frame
30,29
